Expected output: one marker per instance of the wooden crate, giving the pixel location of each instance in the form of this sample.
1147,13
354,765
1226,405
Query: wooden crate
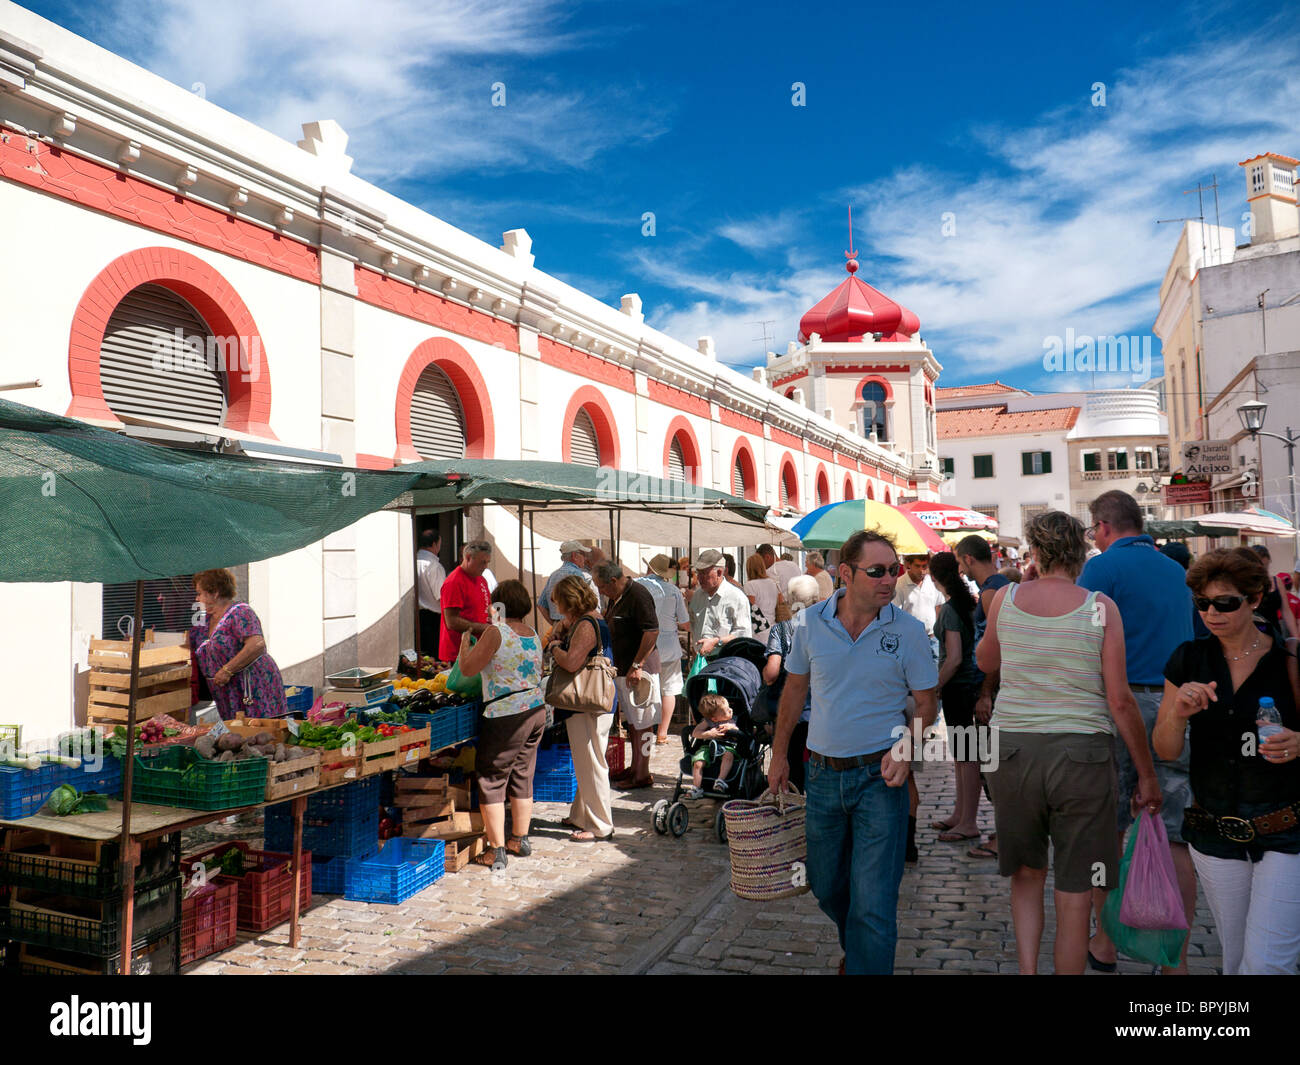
461,849
164,684
283,779
383,755
459,823
343,768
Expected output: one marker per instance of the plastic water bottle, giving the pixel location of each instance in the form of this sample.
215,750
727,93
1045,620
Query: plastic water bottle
1268,721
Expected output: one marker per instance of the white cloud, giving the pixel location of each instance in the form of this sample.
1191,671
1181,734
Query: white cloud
410,80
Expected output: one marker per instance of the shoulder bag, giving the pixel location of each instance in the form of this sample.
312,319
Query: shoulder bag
589,690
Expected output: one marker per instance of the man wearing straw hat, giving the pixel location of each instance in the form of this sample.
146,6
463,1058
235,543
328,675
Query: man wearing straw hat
860,656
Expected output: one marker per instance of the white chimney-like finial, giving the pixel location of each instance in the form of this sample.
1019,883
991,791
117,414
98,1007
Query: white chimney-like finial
328,141
705,347
630,305
518,245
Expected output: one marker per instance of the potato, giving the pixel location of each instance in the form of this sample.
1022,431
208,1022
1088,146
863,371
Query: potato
231,741
206,746
281,752
226,756
263,738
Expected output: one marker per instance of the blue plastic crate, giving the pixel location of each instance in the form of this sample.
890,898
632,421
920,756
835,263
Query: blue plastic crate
24,791
554,787
401,869
443,726
302,702
329,875
467,720
557,759
341,822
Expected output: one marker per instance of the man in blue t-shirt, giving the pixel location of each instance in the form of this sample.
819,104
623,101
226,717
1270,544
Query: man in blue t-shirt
1155,605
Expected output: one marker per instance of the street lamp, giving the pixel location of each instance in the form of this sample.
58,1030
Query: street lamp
1252,420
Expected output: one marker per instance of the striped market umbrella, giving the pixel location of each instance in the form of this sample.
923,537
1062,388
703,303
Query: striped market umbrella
948,517
826,528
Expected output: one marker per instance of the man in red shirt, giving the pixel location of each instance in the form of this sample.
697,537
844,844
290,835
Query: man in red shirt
465,599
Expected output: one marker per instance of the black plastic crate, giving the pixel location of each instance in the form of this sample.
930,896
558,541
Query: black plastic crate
99,878
161,957
92,926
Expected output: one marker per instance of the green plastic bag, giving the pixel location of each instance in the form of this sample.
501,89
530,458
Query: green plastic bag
462,685
1152,947
697,665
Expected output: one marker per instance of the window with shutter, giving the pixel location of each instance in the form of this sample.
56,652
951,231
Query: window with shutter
584,447
737,479
676,461
1092,462
437,419
983,465
159,360
784,491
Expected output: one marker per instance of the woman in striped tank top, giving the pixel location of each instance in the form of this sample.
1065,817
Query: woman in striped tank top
1064,693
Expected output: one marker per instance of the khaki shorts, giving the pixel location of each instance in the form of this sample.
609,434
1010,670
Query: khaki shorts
1058,788
670,676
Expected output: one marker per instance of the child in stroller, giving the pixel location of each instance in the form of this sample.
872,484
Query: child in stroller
714,738
740,770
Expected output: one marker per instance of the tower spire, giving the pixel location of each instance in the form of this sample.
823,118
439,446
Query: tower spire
852,254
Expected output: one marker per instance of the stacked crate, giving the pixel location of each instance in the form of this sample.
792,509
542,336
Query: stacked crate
339,824
554,779
164,684
60,904
433,808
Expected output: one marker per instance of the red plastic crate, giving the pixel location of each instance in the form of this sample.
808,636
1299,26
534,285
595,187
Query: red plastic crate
208,920
616,754
265,889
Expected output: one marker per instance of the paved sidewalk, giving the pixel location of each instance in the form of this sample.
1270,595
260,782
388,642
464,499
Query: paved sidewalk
650,903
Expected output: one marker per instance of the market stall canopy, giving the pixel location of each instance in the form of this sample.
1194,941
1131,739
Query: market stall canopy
828,527
79,503
948,517
1221,524
563,501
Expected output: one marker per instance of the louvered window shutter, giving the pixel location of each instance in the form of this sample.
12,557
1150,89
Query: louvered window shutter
785,492
738,480
584,448
437,420
146,371
676,462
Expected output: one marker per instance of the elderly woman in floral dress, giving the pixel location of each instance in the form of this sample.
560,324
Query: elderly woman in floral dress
231,653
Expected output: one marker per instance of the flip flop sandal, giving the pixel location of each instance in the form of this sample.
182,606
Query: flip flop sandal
588,837
981,851
942,826
522,848
956,837
1101,966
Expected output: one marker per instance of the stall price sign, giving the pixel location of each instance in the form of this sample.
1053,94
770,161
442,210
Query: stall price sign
1204,460
1194,492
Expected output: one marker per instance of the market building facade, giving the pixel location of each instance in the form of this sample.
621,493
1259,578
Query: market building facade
180,275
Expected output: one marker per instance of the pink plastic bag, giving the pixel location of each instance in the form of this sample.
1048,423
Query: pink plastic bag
1151,896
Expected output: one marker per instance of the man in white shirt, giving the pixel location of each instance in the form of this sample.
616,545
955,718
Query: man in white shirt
817,568
779,570
575,562
719,610
671,610
428,589
916,592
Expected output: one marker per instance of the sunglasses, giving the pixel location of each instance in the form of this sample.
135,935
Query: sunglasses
877,571
1223,604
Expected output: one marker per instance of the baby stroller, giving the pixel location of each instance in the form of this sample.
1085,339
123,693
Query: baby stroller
735,677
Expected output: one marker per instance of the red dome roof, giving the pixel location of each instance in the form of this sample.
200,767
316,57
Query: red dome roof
855,310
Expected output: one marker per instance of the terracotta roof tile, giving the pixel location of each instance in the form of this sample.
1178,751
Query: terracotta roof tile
998,421
960,391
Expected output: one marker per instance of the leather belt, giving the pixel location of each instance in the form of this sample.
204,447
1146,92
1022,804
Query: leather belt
841,764
1241,829
1157,688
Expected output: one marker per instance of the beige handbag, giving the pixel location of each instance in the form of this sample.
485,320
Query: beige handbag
588,691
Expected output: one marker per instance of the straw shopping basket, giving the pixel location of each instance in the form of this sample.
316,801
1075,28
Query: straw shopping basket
768,845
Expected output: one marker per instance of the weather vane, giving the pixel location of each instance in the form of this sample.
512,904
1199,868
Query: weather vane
852,254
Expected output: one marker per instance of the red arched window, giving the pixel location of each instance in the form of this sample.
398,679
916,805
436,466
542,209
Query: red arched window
470,393
590,430
823,487
744,471
681,452
788,483
848,487
871,492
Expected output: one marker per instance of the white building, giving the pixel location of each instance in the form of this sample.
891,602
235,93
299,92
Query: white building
1010,454
340,323
1229,322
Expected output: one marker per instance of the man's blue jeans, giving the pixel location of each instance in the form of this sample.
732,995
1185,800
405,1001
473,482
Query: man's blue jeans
857,837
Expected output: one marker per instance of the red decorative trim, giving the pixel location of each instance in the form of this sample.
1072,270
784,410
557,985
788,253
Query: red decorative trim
780,436
748,468
889,389
100,188
888,501
677,399
680,429
822,492
217,303
788,378
732,420
592,367
820,452
871,492
869,368
602,417
791,482
408,300
373,462
456,363
848,487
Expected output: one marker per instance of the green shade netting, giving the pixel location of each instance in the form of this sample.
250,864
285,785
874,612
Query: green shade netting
79,503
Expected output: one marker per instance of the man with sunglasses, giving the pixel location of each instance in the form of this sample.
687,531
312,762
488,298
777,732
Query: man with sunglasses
1155,604
860,656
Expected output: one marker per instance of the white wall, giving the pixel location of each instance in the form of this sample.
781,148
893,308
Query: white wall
1008,488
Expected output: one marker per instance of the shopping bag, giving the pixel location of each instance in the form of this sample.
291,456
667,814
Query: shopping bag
1152,947
459,684
698,664
1151,896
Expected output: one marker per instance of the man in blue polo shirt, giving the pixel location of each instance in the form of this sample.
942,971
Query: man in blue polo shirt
1155,604
861,656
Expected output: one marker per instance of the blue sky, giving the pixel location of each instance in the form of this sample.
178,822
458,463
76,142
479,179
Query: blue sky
982,114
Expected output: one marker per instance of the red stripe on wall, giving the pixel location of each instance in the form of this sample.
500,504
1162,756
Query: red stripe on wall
581,363
738,421
677,399
99,188
408,300
779,436
820,452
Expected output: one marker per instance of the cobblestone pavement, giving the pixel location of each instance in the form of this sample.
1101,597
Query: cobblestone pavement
650,903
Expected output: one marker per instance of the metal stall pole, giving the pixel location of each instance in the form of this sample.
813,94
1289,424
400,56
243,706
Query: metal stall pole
521,543
126,853
532,541
415,585
613,539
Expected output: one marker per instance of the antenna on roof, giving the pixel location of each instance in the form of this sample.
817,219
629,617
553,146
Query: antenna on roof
764,323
